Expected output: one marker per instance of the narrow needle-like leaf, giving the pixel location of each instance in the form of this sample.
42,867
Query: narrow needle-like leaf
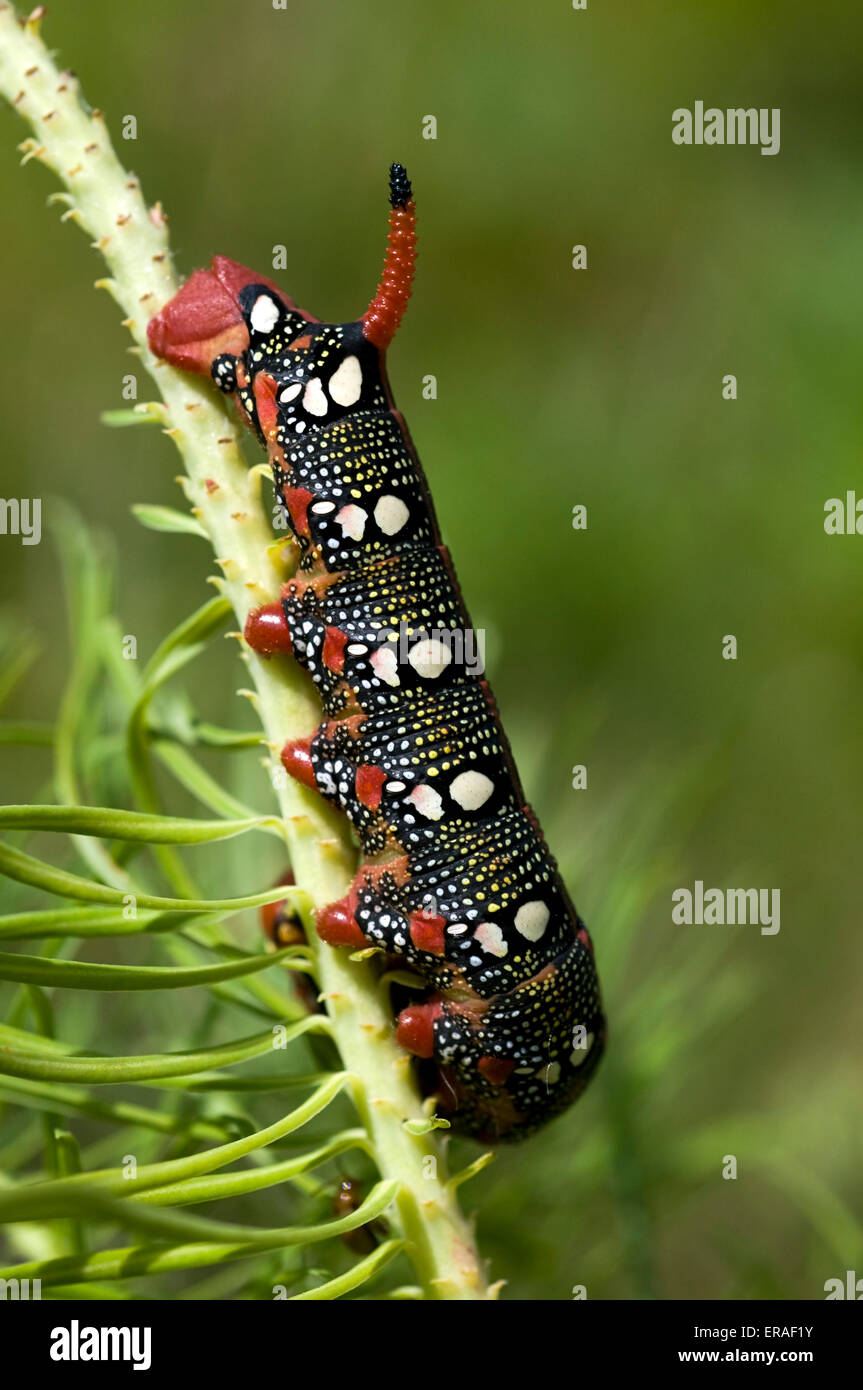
107,1071
73,974
59,1197
127,825
359,1274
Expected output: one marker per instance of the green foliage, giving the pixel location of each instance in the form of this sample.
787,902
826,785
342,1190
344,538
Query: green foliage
42,1077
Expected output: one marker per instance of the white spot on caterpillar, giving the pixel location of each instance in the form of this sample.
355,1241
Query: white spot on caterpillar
383,662
391,514
395,786
322,507
471,790
428,802
265,314
314,400
356,648
429,658
457,928
490,938
579,1054
291,392
352,521
532,919
346,382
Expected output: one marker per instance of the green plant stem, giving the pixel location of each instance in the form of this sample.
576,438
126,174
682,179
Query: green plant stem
106,202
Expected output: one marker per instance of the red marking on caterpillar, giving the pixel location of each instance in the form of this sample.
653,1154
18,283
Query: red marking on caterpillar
370,783
427,933
265,400
335,642
297,501
456,881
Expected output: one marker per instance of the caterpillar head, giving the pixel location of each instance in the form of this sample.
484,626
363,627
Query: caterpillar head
234,325
206,319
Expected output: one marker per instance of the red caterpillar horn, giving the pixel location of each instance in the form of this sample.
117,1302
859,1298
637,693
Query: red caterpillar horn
384,314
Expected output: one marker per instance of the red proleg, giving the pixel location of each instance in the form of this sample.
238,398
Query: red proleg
267,631
297,760
415,1028
337,924
495,1069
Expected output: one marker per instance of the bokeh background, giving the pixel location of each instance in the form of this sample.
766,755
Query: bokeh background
259,127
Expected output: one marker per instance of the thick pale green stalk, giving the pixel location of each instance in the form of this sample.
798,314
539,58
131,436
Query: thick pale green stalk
106,202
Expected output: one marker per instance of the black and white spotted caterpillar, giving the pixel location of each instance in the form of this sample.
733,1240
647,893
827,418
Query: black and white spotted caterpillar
457,881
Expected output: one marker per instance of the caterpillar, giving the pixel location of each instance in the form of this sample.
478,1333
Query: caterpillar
456,881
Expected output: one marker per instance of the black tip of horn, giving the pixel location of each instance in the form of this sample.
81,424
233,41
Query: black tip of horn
400,186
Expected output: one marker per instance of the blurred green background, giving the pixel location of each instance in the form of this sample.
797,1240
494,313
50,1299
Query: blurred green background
259,127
